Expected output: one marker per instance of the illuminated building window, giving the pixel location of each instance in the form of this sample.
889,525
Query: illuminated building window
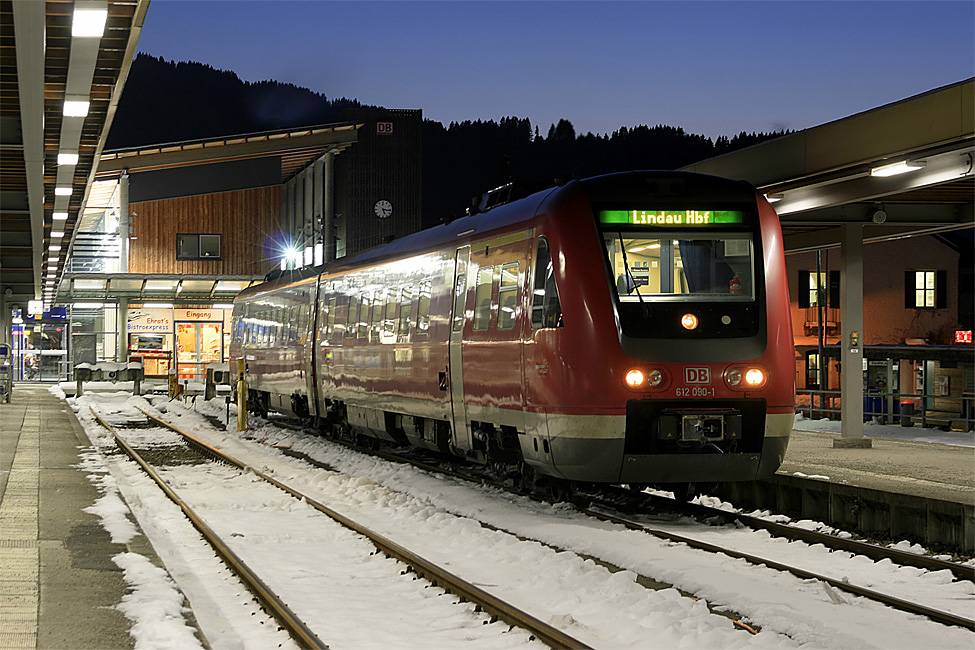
813,372
925,289
812,286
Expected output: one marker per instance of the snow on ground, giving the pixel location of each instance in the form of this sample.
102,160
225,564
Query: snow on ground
874,429
430,515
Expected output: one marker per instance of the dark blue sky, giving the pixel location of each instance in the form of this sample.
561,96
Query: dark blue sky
715,68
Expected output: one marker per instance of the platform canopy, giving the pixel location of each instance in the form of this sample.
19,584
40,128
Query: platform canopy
64,65
901,169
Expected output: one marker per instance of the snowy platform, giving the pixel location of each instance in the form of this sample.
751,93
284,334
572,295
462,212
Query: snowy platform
910,483
53,535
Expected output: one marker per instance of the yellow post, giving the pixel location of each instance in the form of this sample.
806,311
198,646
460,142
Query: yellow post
241,396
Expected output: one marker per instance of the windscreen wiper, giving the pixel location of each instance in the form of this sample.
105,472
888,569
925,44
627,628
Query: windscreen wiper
629,274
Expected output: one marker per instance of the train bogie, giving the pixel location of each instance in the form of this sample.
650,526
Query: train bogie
625,329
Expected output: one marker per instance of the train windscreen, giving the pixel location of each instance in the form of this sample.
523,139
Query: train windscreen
699,255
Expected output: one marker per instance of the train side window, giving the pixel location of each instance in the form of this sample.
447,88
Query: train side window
405,305
330,318
482,298
352,324
375,330
322,320
423,307
546,306
508,296
365,302
389,317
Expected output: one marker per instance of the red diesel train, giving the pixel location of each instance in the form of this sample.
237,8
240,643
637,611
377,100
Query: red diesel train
632,328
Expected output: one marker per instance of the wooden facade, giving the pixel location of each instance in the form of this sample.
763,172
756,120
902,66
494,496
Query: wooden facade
243,218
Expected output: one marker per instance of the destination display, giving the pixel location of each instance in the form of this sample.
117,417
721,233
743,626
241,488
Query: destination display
675,218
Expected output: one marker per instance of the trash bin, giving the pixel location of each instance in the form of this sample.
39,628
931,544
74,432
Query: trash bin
907,410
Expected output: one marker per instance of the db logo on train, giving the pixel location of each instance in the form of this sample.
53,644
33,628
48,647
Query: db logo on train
697,375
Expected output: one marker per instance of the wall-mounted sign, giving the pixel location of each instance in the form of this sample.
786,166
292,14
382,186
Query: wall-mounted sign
199,314
150,320
384,128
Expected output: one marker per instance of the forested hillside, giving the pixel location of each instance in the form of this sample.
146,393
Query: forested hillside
168,101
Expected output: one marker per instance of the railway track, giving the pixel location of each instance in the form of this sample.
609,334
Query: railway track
547,524
299,630
646,505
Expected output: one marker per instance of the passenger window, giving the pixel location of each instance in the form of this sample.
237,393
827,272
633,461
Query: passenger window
389,318
482,298
423,308
405,304
330,318
546,306
508,296
352,324
377,316
364,316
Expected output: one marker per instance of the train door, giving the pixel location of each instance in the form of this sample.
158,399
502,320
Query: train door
309,337
541,354
460,425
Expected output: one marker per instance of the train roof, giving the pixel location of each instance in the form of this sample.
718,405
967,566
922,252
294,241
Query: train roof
430,239
626,185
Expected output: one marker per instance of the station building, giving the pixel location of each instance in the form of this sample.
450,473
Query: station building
170,234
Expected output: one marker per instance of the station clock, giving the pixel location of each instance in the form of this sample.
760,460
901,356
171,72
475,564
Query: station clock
383,208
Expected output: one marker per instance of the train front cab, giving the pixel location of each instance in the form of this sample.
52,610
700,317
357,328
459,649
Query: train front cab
672,245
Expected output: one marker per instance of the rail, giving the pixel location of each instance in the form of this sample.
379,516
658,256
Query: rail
281,612
875,552
494,606
945,618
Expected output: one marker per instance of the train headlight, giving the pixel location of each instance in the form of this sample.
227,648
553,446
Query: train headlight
689,322
638,379
746,377
755,377
635,378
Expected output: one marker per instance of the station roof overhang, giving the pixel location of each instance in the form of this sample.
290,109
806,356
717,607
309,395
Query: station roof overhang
296,147
177,290
44,65
825,177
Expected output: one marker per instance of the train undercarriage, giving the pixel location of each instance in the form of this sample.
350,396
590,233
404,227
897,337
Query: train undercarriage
496,448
